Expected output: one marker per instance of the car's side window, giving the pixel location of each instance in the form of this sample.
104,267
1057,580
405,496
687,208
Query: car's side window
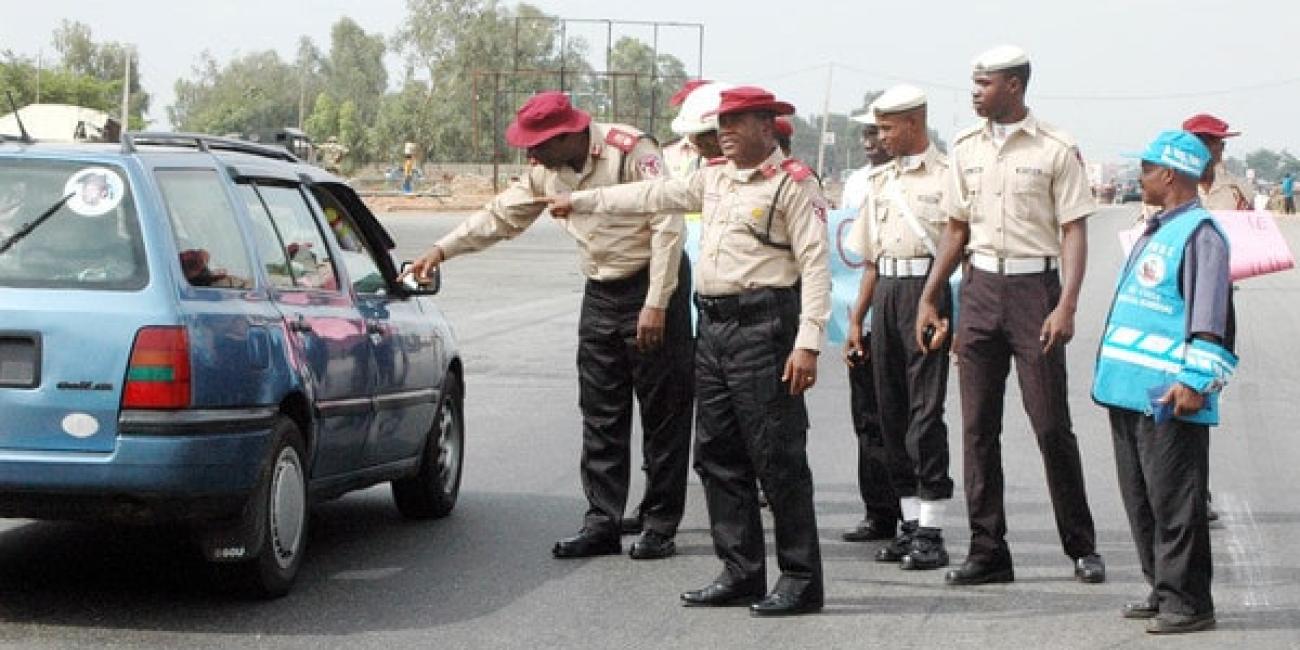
270,249
310,263
355,253
211,248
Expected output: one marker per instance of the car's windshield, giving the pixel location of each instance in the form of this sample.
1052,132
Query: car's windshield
92,241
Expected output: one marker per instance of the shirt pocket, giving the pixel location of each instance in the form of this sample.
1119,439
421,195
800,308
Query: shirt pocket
1029,179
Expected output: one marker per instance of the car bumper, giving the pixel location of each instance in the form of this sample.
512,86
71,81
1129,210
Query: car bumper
146,476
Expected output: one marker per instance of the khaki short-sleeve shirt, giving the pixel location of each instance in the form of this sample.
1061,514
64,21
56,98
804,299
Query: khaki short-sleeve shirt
1017,197
885,229
739,207
1227,192
610,249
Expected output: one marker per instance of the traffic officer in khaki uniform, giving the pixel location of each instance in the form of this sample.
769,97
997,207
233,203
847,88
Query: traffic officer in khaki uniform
681,155
763,290
1219,189
1018,205
882,516
634,332
904,219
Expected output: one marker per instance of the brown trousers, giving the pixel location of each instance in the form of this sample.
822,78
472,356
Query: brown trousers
1001,319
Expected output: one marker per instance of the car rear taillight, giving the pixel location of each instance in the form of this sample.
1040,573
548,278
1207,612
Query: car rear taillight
158,376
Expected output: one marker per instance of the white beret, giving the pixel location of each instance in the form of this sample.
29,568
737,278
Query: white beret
900,98
1000,58
701,102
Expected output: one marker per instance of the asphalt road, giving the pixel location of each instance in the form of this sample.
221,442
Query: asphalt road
484,578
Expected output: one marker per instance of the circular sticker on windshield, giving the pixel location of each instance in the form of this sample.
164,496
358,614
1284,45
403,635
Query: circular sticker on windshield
94,190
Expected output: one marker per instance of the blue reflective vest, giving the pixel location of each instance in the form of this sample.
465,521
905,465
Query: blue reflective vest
1146,344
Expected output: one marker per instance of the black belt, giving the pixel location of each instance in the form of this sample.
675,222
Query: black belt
753,303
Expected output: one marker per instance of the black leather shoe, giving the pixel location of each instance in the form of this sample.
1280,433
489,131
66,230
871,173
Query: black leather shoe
586,544
721,594
630,525
1180,624
927,551
1090,569
980,572
782,603
870,530
653,546
1140,609
897,549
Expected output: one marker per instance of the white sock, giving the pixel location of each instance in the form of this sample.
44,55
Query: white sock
931,513
911,507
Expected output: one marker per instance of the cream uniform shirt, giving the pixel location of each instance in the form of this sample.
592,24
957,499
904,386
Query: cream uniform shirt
1227,192
1017,196
922,181
610,249
734,201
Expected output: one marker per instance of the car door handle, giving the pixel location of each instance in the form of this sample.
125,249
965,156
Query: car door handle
300,325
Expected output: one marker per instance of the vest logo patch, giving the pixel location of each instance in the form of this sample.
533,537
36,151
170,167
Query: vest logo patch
1151,270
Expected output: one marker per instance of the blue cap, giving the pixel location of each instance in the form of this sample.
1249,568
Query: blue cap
1178,150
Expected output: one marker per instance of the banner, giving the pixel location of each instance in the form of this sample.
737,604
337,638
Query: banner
1255,245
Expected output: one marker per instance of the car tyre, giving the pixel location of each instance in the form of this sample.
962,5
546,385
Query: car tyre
431,493
280,514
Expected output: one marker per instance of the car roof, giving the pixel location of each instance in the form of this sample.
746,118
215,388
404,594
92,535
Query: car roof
169,149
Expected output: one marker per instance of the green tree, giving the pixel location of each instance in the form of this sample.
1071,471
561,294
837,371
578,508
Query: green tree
351,132
254,92
643,85
355,71
324,119
81,55
58,86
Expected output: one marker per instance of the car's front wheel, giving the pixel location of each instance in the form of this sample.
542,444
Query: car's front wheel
431,493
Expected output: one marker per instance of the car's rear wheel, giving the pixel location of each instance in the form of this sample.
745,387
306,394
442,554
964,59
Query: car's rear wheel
279,509
431,493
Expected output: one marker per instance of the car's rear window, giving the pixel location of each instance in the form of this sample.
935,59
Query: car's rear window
91,240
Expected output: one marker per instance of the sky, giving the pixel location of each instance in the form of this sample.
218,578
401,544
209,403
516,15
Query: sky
1110,72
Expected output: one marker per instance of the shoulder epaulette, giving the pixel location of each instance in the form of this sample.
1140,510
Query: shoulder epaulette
622,140
796,169
1056,134
967,132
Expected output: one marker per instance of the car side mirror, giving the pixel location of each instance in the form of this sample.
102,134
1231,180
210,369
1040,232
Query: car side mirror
413,287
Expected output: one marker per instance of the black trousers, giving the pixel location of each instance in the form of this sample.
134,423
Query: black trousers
749,428
911,387
610,371
1002,318
1163,470
873,462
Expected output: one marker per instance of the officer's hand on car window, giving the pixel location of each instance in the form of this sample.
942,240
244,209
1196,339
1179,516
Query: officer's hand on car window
1058,329
421,267
650,328
1185,399
931,330
560,205
800,370
854,352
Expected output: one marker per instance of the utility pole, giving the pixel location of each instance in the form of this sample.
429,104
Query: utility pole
126,88
826,115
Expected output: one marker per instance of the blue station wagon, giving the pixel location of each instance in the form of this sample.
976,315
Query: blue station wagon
209,331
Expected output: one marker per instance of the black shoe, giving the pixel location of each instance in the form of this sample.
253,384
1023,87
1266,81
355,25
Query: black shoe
927,551
897,549
1090,569
1180,623
721,594
870,530
630,525
782,603
1140,609
981,572
587,544
653,546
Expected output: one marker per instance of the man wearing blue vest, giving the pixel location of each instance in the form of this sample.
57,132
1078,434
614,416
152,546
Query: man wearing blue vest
1165,357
